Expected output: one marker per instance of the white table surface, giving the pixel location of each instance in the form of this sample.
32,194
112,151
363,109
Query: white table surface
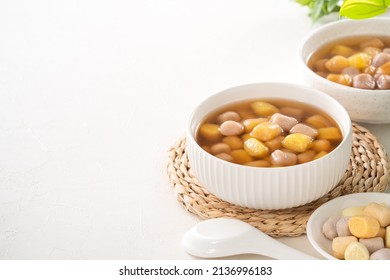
93,94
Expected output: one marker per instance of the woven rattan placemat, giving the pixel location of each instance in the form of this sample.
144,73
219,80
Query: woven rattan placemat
368,171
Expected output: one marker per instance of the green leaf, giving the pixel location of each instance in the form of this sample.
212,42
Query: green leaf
317,9
320,8
332,5
303,2
361,9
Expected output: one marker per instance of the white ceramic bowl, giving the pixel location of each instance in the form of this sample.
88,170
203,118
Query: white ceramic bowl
333,207
270,188
368,106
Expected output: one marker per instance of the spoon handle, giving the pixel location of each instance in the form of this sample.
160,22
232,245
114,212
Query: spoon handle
221,237
273,248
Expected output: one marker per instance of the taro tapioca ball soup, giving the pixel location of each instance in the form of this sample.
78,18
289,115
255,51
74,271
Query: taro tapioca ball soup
360,61
268,133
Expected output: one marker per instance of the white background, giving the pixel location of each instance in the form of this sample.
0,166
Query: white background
93,94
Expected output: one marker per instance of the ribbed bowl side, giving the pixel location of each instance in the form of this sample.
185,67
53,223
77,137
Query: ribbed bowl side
269,188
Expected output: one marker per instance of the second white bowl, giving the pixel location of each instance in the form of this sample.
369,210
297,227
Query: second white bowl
368,106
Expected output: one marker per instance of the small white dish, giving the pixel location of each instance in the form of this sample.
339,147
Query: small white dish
335,206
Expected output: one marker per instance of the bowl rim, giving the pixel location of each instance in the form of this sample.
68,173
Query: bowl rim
347,135
332,25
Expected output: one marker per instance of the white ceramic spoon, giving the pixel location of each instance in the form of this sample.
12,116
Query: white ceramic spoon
222,237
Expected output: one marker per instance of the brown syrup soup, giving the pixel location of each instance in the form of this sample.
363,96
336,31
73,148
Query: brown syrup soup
361,62
268,133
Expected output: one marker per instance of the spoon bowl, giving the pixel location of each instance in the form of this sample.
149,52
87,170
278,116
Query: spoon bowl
222,237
